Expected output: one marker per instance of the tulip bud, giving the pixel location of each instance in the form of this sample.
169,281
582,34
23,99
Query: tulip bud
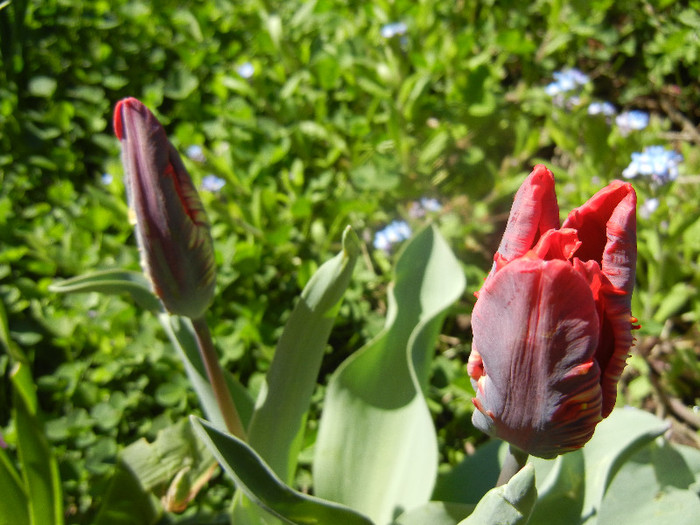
171,226
552,324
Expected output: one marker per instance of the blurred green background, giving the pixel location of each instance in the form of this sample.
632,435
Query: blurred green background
296,119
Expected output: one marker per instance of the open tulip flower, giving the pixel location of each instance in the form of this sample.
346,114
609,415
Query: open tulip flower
172,229
552,322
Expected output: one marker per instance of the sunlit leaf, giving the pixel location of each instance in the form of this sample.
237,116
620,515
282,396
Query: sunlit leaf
376,449
259,483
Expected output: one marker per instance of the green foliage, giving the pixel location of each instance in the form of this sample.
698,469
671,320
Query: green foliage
337,125
362,405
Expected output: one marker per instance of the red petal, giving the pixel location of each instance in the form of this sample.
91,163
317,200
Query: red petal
615,330
536,329
534,211
607,228
557,244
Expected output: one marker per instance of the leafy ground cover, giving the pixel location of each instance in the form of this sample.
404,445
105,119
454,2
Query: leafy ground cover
297,119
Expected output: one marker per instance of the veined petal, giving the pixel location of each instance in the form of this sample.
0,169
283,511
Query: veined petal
536,331
534,212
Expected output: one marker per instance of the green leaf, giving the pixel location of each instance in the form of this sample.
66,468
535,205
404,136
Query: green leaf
14,505
114,282
376,449
42,86
156,464
436,513
615,440
126,502
277,425
561,486
39,467
650,488
462,484
259,483
509,504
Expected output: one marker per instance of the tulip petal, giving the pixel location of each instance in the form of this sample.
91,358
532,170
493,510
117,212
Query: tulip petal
615,330
534,211
535,331
607,229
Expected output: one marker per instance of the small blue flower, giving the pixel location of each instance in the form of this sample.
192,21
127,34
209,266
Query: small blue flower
633,120
393,29
106,179
601,108
418,209
395,232
213,183
565,81
650,206
655,162
196,153
430,204
246,70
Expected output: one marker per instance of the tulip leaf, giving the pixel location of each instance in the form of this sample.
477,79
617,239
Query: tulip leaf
509,504
259,483
14,504
126,502
462,484
436,513
278,422
560,488
652,487
144,468
616,438
376,449
39,467
114,282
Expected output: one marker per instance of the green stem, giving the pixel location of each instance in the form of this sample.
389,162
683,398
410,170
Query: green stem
515,460
217,380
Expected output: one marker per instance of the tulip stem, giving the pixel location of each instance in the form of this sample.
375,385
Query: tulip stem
515,460
217,380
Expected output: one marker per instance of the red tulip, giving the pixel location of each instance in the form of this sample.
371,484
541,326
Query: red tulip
171,225
552,323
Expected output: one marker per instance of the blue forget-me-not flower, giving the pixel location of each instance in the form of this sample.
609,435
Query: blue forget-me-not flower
633,120
655,162
213,183
395,232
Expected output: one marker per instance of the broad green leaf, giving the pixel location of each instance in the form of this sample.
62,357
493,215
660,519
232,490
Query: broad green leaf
468,481
652,487
259,483
14,504
144,468
376,449
175,447
691,455
509,504
560,488
126,502
39,467
615,440
181,335
113,282
277,425
436,513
